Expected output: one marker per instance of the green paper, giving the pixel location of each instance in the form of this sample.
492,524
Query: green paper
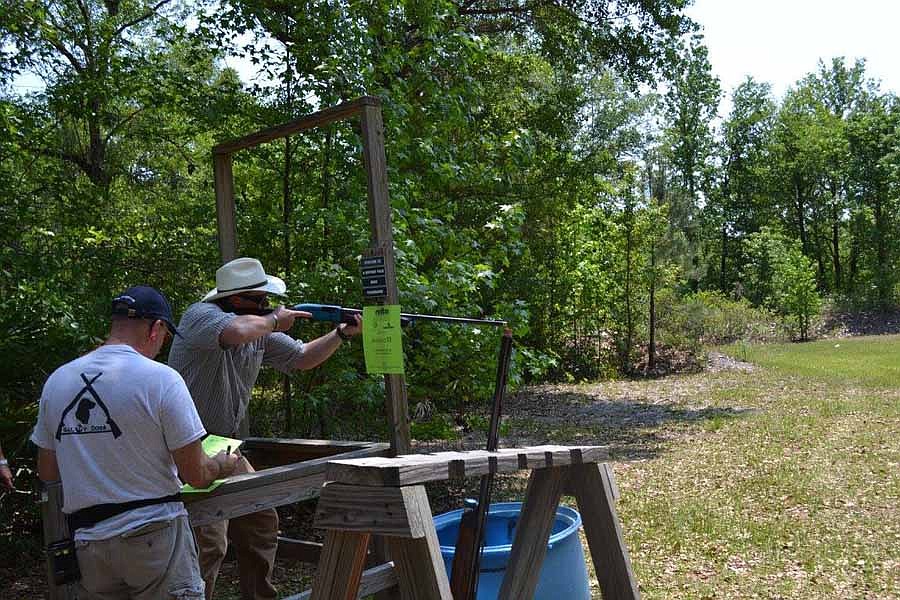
382,344
212,445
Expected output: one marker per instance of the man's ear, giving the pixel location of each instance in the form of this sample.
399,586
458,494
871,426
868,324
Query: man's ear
158,329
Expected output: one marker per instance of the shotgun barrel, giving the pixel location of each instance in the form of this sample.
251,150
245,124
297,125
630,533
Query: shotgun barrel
470,541
339,314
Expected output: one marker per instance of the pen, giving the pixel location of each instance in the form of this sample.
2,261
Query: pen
228,450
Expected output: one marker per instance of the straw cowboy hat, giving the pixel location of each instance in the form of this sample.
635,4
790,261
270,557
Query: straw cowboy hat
244,275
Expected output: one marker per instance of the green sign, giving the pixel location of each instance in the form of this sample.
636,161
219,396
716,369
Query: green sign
212,445
382,344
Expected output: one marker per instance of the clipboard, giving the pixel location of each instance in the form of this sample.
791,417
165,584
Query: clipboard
212,445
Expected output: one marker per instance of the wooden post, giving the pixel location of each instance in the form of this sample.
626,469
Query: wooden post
532,533
595,492
55,529
341,566
382,242
223,178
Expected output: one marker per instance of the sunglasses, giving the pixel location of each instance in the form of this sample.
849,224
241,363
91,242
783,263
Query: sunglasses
254,298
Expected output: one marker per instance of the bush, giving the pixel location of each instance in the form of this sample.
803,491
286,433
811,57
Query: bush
710,318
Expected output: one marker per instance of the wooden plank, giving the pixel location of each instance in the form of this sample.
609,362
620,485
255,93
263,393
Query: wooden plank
223,179
298,550
341,567
55,529
420,568
311,121
475,463
253,498
532,534
610,476
266,453
418,578
589,454
381,510
382,243
595,496
402,470
274,475
374,580
412,469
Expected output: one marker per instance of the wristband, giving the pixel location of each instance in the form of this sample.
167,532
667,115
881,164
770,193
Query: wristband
341,334
4,462
274,322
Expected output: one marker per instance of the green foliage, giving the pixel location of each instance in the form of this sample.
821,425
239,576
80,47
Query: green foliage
782,277
439,427
526,179
709,319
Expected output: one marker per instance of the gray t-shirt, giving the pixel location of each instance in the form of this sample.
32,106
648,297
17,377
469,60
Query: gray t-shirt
221,379
113,417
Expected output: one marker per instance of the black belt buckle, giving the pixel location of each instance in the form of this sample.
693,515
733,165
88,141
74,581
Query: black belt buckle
63,562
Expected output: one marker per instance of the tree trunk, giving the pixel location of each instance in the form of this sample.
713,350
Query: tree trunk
651,345
836,239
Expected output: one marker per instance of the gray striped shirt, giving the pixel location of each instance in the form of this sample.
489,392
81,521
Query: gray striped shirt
221,379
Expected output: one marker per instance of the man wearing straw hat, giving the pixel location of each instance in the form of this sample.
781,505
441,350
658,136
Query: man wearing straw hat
226,339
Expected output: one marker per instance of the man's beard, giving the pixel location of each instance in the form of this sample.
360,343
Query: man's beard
261,310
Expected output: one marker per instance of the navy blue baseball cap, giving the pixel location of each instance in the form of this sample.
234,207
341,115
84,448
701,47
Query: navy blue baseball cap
144,302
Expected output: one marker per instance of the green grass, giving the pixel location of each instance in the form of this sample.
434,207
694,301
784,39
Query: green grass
783,482
800,498
868,361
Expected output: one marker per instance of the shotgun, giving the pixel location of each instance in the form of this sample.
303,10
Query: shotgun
470,542
338,314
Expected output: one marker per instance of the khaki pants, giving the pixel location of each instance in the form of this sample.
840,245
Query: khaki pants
151,562
255,539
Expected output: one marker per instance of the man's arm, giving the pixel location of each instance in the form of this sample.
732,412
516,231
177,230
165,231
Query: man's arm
48,468
246,328
318,350
200,470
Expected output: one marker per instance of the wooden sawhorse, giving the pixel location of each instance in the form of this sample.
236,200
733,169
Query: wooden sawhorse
385,496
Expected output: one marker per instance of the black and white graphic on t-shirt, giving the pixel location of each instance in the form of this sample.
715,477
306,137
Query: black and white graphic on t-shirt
84,403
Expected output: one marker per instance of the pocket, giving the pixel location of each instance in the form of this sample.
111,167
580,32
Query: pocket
148,551
147,529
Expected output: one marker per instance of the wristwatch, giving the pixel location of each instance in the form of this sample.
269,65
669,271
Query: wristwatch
4,462
341,334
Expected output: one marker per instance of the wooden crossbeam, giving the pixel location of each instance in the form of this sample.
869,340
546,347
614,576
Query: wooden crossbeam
374,580
412,469
402,512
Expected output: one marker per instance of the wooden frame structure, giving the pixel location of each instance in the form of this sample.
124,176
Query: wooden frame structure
294,470
368,110
386,497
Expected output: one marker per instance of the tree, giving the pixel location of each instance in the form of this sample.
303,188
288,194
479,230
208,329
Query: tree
690,106
740,203
780,276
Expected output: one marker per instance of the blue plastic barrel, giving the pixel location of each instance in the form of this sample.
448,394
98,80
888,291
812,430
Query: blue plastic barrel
563,574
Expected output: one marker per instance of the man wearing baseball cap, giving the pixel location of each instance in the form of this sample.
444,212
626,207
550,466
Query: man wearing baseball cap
226,339
119,428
